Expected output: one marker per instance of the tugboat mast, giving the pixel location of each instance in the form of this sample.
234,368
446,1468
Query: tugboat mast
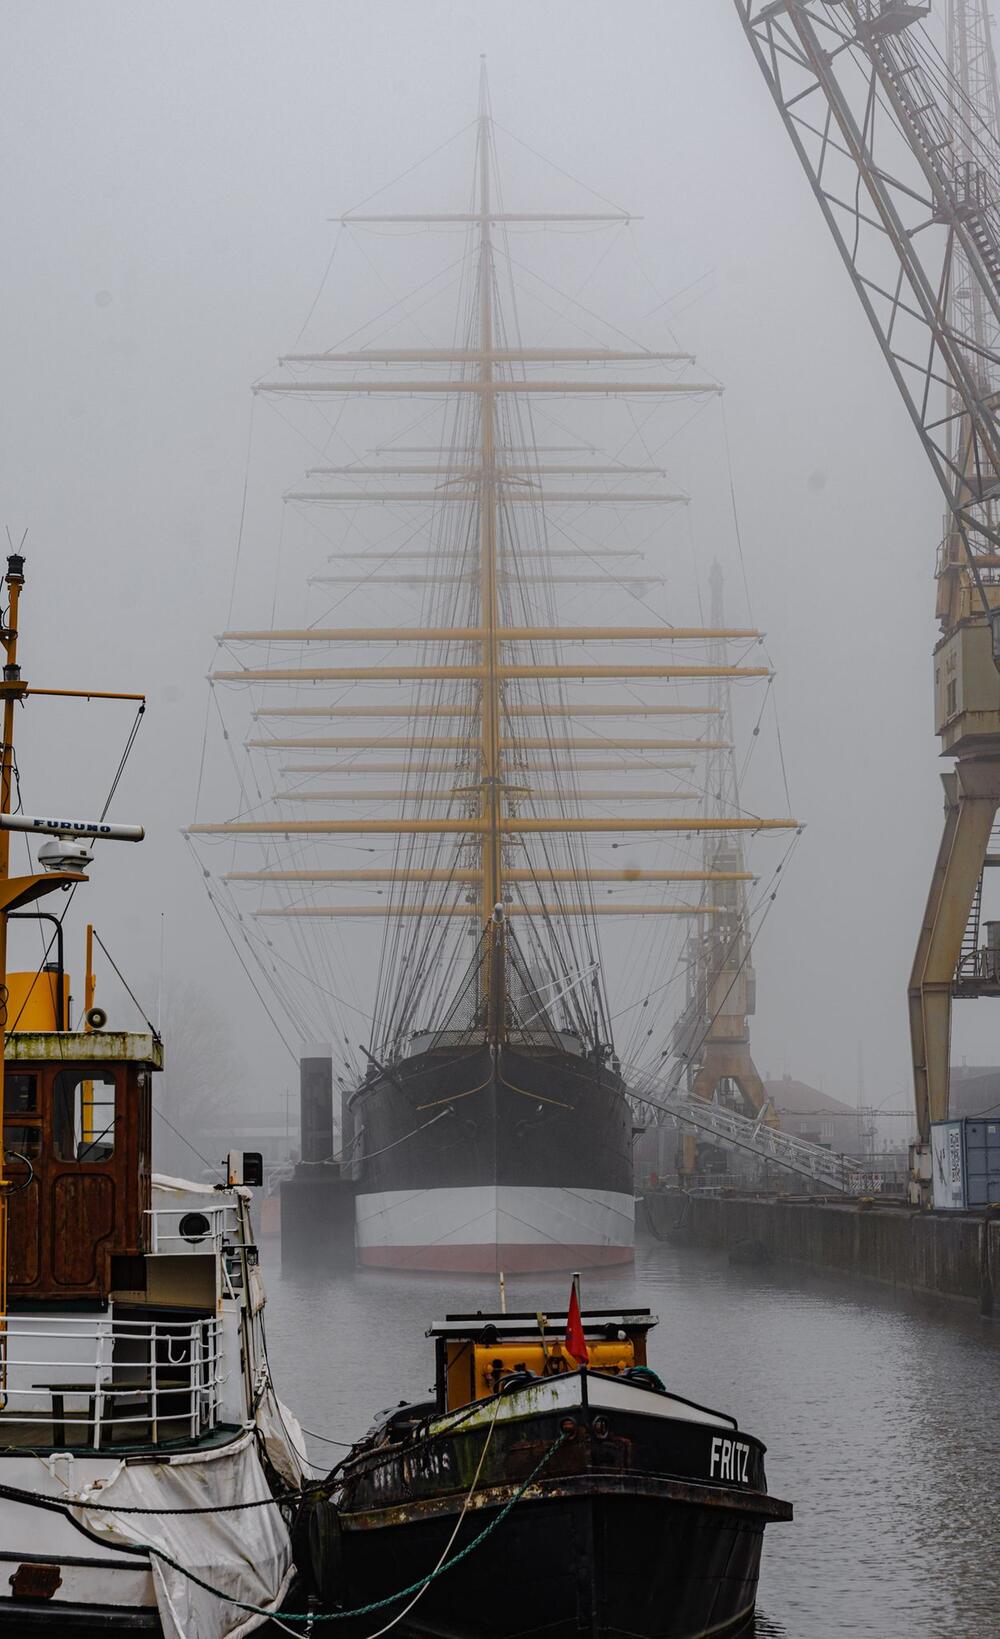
64,868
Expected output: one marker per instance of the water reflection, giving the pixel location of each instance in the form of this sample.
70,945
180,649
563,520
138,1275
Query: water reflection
875,1413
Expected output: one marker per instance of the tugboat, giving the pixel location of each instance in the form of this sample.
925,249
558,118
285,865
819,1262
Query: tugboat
135,1399
554,1485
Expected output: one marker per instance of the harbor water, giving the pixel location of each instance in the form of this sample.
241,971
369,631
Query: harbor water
876,1412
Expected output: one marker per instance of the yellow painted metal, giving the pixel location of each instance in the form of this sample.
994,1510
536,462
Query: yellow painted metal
32,1000
571,670
89,987
89,982
459,742
474,634
474,1372
476,825
473,674
511,497
519,578
491,388
516,873
972,798
474,355
88,694
345,912
518,793
18,891
8,636
464,469
629,708
621,765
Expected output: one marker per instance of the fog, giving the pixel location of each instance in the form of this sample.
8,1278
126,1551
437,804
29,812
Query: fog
168,180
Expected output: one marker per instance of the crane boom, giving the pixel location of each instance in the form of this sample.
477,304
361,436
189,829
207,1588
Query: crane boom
901,146
908,205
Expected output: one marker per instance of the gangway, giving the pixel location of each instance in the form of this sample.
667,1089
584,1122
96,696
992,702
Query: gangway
752,1135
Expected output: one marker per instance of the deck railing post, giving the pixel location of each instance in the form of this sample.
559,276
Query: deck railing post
98,1399
154,1387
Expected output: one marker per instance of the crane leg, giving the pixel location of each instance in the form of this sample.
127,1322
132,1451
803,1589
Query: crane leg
972,795
731,1061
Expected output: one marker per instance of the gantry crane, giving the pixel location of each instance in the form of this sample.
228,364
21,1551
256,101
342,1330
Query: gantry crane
722,984
901,147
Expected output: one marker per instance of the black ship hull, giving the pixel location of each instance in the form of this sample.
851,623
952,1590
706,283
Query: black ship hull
476,1160
625,1534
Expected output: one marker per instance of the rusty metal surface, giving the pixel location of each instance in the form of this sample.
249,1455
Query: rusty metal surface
35,1581
630,1455
592,1484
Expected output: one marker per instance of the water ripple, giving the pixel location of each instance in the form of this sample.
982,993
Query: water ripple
877,1412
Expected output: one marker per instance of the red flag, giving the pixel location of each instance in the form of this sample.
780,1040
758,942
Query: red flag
576,1343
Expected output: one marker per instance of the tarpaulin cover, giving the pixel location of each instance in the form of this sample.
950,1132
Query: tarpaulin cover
284,1441
245,1554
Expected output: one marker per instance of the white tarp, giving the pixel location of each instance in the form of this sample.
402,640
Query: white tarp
284,1441
246,1554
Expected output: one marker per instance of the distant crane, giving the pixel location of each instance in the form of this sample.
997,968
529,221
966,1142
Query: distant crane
722,980
711,1039
900,144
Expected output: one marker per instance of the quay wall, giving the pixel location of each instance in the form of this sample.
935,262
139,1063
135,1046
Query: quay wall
950,1254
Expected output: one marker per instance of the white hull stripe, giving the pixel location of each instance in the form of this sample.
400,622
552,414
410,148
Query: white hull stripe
498,1214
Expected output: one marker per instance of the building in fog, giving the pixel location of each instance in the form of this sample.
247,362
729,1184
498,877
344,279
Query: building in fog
975,1089
807,1113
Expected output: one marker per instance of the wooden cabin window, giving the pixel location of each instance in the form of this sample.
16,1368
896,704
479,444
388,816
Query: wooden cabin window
21,1140
83,1115
20,1094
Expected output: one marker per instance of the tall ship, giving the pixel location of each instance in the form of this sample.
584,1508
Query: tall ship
467,762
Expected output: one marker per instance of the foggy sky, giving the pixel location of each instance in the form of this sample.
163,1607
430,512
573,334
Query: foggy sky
168,174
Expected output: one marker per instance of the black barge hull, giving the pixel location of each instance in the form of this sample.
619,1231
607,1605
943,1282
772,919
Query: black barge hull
580,1561
643,1519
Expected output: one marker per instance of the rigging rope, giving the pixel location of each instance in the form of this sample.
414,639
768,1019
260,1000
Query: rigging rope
372,1606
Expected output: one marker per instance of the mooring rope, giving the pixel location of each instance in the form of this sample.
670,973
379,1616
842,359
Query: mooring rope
376,1604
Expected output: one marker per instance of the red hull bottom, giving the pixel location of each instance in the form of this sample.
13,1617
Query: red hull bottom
517,1258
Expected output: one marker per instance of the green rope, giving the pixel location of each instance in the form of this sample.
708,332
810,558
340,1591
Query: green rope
377,1604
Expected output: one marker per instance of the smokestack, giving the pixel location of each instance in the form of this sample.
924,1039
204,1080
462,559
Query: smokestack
316,1103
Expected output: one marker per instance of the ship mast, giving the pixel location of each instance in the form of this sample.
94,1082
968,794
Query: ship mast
491,659
494,970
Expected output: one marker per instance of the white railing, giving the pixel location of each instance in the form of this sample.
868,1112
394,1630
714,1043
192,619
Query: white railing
828,1171
192,1228
92,1382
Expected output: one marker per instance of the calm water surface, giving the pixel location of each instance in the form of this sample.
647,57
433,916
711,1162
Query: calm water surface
880,1417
